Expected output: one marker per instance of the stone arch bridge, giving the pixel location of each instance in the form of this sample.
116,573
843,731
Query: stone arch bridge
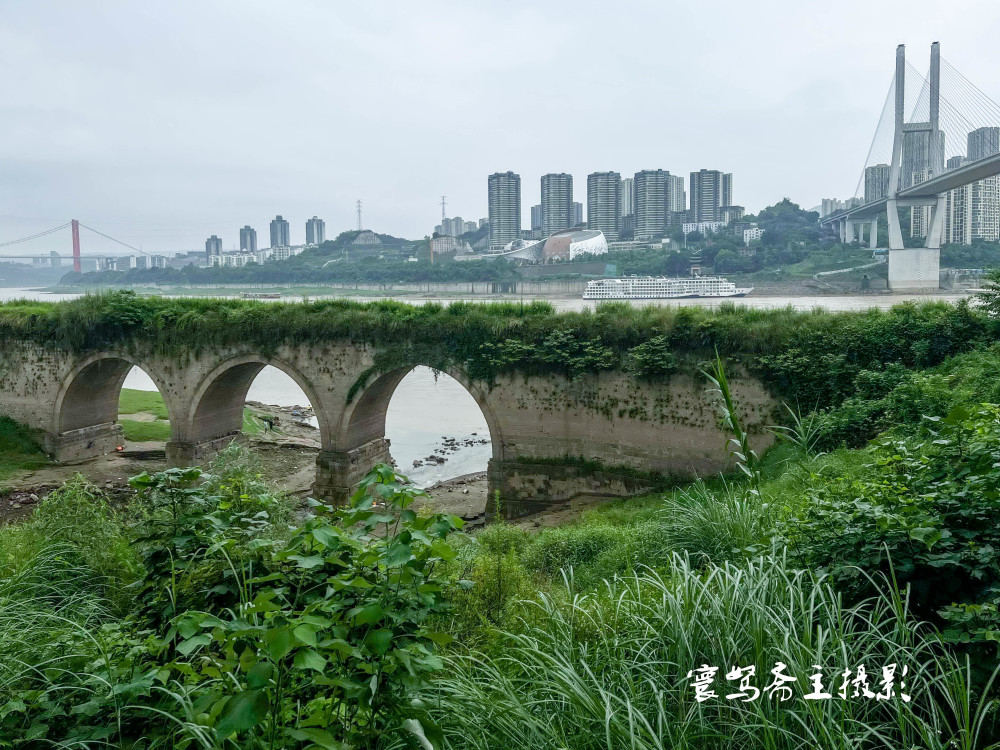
553,437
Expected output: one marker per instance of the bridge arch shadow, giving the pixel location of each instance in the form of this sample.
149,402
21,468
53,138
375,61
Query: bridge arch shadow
216,413
85,417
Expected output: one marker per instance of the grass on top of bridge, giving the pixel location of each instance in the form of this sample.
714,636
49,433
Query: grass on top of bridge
807,357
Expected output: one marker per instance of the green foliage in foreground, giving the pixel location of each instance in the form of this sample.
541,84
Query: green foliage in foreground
207,617
927,511
242,632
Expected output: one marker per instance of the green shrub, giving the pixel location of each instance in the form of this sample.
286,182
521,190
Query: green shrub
235,476
501,538
575,546
499,580
927,511
721,524
654,359
327,649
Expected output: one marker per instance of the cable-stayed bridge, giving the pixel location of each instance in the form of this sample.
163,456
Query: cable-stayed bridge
939,161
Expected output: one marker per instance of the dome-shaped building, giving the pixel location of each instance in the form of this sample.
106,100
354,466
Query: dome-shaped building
570,243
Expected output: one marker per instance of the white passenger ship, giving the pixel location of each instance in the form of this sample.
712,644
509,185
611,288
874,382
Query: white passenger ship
662,287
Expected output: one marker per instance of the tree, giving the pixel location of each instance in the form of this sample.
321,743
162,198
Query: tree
726,261
786,223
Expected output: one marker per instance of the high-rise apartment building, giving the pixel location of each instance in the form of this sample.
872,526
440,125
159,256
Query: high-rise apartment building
315,231
676,195
983,142
213,246
710,191
916,157
536,217
504,201
557,202
628,196
280,234
604,203
455,227
577,213
656,197
876,182
248,239
972,212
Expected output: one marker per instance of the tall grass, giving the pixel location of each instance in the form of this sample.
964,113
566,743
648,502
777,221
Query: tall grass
608,670
19,450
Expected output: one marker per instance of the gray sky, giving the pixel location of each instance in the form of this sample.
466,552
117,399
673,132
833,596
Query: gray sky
163,123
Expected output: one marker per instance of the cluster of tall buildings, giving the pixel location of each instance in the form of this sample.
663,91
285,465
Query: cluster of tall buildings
457,226
281,243
972,212
647,205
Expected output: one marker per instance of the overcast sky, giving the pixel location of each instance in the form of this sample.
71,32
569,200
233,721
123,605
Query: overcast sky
162,123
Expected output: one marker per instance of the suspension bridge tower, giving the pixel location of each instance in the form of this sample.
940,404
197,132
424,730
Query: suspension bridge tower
916,269
76,245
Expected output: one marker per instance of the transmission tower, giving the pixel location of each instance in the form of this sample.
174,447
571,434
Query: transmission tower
443,204
360,225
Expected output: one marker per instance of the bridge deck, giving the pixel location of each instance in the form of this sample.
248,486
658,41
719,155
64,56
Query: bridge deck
955,178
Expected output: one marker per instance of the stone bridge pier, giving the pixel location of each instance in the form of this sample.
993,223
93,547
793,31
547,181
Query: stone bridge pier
553,438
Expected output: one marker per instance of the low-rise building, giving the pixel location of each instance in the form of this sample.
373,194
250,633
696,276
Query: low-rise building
233,260
150,261
284,252
703,227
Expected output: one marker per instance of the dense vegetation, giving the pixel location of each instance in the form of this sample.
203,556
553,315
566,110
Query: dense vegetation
212,613
812,358
207,614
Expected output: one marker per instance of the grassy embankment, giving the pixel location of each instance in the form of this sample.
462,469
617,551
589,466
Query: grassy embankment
19,449
153,423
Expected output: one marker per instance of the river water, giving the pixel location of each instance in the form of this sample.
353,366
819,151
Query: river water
428,407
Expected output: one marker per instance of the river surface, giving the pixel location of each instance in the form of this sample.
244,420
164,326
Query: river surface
428,407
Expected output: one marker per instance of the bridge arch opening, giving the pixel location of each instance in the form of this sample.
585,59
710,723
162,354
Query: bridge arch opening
258,397
438,428
108,403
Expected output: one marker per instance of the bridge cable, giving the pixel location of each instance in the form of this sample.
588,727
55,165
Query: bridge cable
34,236
107,237
889,97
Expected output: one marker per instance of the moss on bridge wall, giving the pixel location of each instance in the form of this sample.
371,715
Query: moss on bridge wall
812,357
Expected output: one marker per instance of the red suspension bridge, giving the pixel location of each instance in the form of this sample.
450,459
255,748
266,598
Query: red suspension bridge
74,226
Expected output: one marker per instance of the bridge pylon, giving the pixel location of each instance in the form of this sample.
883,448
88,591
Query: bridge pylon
916,269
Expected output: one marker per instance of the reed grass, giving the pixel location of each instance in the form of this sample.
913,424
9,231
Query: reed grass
608,669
